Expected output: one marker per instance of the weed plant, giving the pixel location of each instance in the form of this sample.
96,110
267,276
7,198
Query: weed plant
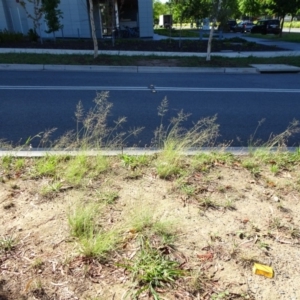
135,161
92,130
7,243
93,240
51,189
47,165
82,219
276,142
77,169
142,222
108,197
99,244
174,139
150,270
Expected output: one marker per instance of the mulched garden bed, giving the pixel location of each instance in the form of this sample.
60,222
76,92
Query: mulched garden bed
234,44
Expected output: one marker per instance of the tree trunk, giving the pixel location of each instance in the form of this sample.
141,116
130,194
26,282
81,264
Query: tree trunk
211,34
93,29
281,27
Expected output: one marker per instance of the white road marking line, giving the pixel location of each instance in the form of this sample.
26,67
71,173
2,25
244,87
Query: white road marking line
157,88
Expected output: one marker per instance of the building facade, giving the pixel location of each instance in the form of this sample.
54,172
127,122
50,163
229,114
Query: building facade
108,14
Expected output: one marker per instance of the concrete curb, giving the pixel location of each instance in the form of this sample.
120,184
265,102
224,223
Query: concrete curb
123,69
91,68
137,151
18,67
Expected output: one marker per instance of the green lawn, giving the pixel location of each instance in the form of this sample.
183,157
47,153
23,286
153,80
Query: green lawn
117,60
286,36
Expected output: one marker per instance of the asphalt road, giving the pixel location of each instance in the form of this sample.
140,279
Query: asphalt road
31,102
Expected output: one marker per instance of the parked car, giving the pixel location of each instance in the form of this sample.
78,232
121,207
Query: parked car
243,26
267,26
231,25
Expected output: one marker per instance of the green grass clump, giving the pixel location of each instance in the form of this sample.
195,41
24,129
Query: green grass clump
76,169
51,189
93,240
174,140
151,269
108,197
48,165
8,163
99,244
134,161
81,220
7,244
141,220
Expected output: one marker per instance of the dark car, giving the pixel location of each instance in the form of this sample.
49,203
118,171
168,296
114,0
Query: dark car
243,26
267,26
231,24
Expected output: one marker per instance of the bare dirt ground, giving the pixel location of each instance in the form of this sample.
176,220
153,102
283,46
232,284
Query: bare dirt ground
226,215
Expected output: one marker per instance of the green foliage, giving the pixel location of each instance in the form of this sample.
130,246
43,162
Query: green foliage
174,140
82,220
151,270
76,169
52,15
252,165
281,7
7,244
32,35
93,240
99,164
135,161
6,162
51,189
108,197
47,165
99,244
159,9
10,37
250,7
142,221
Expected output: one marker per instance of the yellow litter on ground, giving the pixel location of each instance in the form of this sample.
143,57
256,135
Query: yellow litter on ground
263,270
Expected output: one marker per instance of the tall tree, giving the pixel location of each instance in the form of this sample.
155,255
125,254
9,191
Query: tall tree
216,6
93,28
281,8
52,15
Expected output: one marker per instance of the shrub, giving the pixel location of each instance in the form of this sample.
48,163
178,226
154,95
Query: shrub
32,35
8,36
